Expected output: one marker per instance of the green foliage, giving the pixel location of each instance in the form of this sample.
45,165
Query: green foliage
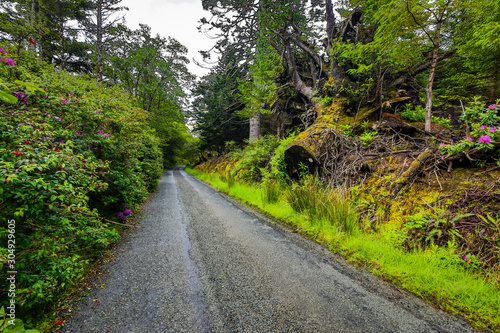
478,114
478,39
346,129
271,190
153,70
416,114
72,153
485,131
261,90
427,228
367,137
253,157
326,101
278,165
8,325
217,119
445,122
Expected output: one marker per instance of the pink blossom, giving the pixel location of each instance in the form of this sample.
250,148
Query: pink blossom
484,139
493,129
494,106
7,61
483,127
2,51
468,139
442,144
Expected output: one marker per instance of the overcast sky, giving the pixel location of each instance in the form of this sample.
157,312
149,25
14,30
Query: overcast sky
174,18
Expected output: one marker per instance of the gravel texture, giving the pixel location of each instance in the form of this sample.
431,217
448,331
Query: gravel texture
201,262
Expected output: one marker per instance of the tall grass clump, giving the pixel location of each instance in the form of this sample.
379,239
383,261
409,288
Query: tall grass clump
341,210
322,204
270,191
229,178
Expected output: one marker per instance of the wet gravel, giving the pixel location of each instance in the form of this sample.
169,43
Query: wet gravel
201,262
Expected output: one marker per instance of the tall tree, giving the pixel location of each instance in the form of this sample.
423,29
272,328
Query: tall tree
217,102
104,17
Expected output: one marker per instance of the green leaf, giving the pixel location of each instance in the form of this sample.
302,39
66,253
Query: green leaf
8,97
18,327
31,87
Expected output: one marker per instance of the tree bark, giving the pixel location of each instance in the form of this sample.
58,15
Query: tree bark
290,65
331,31
430,81
61,48
99,42
255,126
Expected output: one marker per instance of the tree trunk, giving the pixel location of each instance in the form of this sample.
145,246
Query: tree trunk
255,126
61,48
32,47
98,48
430,81
331,31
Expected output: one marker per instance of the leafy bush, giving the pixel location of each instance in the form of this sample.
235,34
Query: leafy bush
253,157
72,153
486,129
278,165
416,114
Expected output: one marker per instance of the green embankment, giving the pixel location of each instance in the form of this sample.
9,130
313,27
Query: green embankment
431,273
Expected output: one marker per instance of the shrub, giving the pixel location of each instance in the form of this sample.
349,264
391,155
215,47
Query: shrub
253,157
72,153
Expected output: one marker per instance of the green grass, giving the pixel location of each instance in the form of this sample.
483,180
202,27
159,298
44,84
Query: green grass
430,274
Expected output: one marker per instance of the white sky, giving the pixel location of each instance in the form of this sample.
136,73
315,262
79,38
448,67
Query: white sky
175,18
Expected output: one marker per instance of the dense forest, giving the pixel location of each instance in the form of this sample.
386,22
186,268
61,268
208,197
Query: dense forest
372,120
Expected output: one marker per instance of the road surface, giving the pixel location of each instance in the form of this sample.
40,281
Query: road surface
201,262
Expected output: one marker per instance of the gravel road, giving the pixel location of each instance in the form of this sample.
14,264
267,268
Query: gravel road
201,262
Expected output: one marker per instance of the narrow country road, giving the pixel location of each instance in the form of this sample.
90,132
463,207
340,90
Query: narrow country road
201,262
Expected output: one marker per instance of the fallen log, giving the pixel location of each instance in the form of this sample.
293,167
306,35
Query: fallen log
412,171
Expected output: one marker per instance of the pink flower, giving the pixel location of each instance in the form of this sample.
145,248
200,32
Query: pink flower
494,106
483,127
7,61
2,51
468,139
484,139
493,129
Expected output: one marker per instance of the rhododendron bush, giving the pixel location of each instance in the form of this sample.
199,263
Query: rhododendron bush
73,155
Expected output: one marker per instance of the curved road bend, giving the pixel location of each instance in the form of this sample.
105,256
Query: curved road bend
201,262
